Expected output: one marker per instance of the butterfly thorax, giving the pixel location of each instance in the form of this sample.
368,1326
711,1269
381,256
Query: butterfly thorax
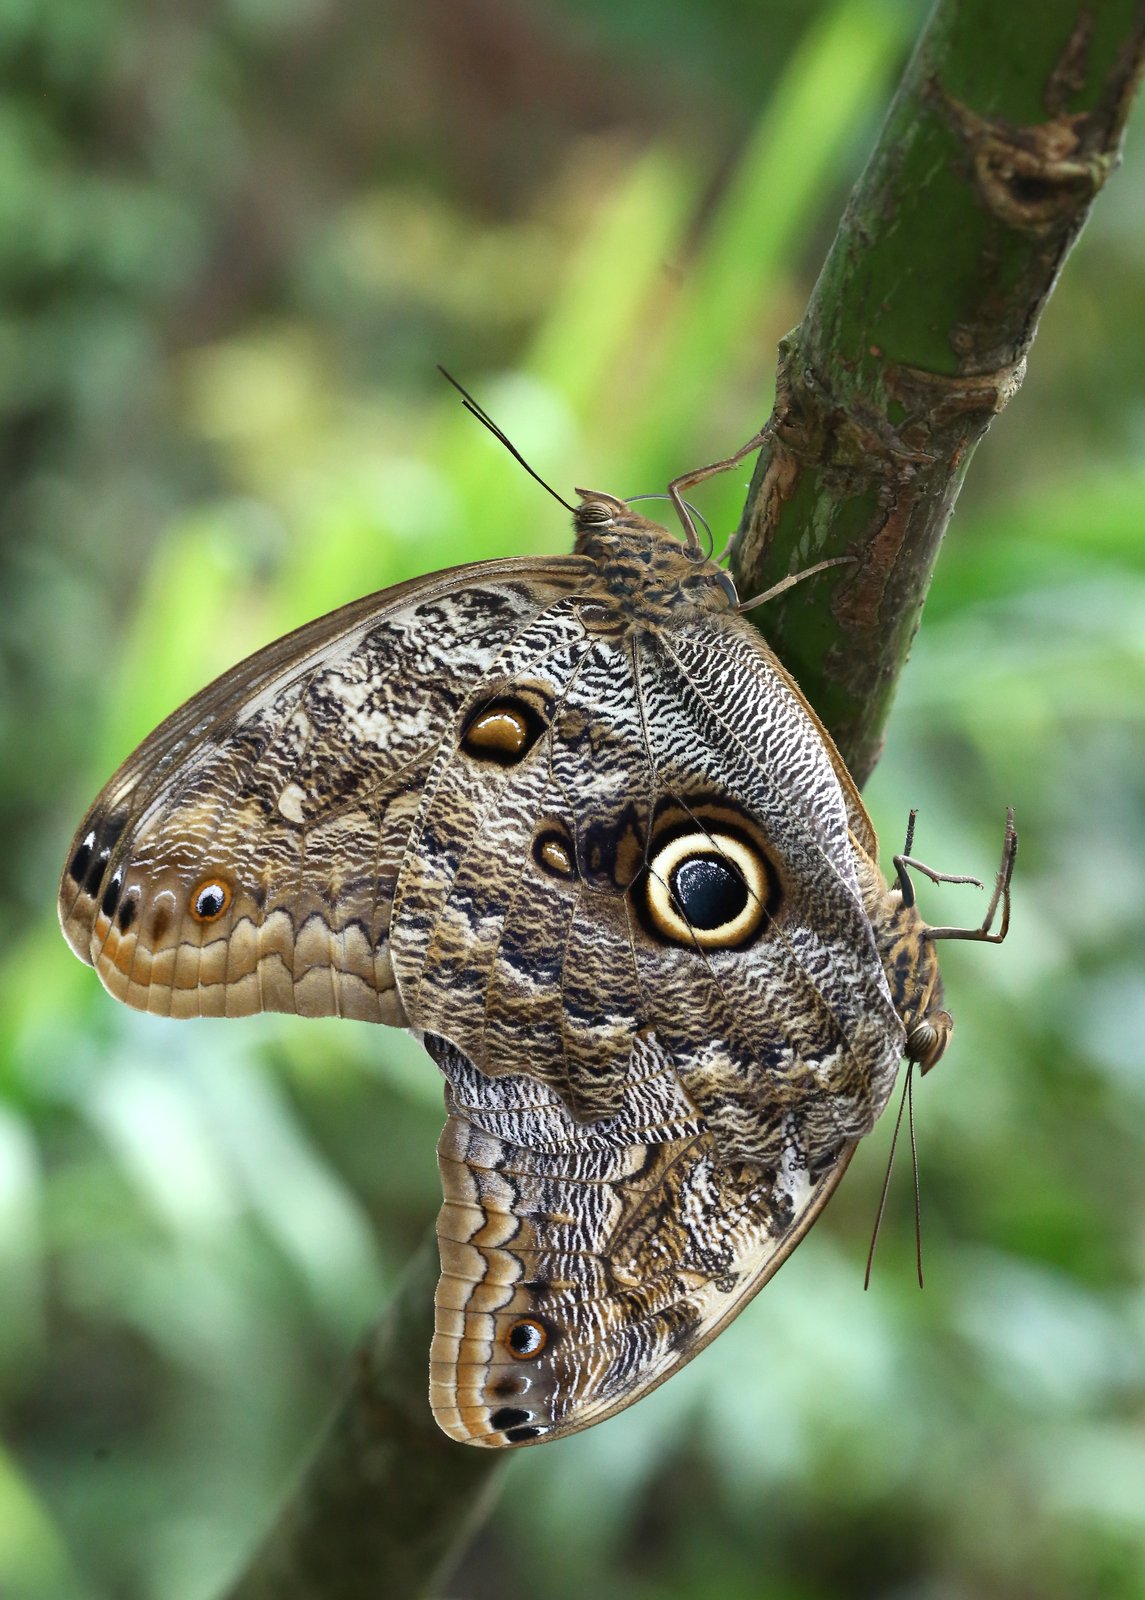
642,571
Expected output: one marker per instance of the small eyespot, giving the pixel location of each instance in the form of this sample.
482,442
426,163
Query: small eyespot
515,1383
522,1435
81,861
714,890
210,899
527,1338
502,731
96,871
553,853
128,907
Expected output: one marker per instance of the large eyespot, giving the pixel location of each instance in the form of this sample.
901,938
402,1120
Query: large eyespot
527,1338
210,899
502,731
709,888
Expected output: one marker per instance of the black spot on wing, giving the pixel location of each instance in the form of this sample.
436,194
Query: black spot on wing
111,894
89,862
509,1417
80,862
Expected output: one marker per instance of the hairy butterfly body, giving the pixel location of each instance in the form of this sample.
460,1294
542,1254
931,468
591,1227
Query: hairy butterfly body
571,821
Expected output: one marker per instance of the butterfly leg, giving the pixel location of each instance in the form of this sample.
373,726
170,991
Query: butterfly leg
678,485
1001,893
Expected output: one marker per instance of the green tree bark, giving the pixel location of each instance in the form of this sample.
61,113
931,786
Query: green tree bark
1006,125
386,1498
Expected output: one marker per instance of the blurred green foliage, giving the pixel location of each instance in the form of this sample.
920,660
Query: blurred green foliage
232,247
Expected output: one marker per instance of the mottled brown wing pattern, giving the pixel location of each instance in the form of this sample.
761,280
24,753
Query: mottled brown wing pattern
244,857
500,942
638,735
805,1023
582,1265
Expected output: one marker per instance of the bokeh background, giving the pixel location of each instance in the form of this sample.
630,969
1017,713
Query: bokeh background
234,240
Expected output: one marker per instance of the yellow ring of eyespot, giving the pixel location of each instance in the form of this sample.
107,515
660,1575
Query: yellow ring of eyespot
666,913
200,889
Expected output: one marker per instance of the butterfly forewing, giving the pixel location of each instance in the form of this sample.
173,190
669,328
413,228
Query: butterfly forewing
244,858
512,903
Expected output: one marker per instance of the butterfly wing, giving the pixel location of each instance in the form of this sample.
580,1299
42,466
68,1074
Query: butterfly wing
445,806
244,857
533,941
583,1265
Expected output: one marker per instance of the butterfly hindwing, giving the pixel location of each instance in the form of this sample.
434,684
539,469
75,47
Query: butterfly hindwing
582,1265
533,929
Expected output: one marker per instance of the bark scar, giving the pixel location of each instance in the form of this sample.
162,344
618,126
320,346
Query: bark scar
835,423
1037,179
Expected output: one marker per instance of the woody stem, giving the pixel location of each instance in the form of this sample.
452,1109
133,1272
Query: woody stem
1006,125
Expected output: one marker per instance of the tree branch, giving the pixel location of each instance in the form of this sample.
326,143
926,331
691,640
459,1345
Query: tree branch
1006,125
387,1497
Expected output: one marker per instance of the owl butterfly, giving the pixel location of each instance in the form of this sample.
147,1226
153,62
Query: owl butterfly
570,821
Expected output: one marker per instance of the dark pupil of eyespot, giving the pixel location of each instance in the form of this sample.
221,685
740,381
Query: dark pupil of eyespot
210,902
525,1338
709,891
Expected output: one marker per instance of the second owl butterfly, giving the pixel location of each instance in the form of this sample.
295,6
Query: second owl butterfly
568,819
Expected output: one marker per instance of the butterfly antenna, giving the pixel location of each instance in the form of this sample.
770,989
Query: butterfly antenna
906,1094
631,500
914,1168
478,411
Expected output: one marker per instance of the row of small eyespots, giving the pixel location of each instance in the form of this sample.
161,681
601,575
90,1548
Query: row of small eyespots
87,866
526,1339
208,899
